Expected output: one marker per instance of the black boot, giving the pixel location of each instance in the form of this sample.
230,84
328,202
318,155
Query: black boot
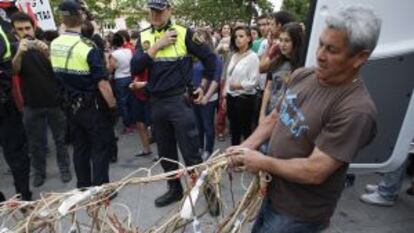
174,194
26,196
114,150
39,180
2,197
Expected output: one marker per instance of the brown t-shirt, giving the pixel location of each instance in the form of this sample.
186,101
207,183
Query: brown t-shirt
339,120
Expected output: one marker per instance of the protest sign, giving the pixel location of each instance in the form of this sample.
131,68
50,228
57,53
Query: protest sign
40,10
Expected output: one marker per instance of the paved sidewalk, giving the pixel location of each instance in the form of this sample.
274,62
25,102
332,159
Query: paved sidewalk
351,216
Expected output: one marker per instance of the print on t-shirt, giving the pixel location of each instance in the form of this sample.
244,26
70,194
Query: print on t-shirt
291,116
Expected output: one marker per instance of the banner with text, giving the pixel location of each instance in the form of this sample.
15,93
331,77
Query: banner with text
40,10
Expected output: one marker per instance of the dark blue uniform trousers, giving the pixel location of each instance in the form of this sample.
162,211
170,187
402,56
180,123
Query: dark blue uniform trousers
92,134
14,143
174,121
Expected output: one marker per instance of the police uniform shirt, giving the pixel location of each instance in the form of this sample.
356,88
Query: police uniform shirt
5,46
6,69
172,67
77,63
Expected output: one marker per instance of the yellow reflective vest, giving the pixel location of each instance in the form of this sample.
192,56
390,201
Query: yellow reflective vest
169,53
170,71
7,53
77,63
69,54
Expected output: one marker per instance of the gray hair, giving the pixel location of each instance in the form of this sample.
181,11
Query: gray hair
361,25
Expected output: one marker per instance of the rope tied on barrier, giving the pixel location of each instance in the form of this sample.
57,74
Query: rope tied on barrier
203,179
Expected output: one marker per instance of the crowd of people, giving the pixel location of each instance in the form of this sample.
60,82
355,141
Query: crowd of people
184,83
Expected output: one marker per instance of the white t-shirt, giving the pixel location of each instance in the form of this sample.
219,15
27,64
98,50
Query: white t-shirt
245,72
123,58
263,47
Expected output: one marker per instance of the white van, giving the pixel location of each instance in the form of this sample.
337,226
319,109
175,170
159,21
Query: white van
389,76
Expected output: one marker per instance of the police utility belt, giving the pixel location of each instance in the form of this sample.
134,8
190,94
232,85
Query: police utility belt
75,104
169,93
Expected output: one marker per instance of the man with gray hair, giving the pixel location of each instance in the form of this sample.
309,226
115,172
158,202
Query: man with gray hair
325,117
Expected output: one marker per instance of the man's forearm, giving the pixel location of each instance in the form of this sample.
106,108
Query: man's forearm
314,169
262,133
45,52
17,63
106,91
212,89
264,64
265,100
203,84
220,49
152,52
296,170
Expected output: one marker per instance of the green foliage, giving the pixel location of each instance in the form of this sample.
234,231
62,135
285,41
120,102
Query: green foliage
216,12
190,12
54,5
132,21
299,8
108,10
103,9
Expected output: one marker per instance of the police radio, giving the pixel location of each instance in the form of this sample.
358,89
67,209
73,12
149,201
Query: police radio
173,30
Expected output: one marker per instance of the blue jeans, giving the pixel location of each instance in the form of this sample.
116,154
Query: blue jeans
205,123
123,96
391,183
270,221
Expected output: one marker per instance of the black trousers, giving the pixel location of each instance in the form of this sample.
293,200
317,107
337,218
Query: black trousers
92,138
240,111
15,150
174,122
258,103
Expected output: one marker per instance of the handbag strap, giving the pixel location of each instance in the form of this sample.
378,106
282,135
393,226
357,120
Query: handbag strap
237,62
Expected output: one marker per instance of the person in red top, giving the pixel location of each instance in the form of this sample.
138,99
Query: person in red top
119,65
140,111
127,40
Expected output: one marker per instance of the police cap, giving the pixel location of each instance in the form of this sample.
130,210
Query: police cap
70,7
158,4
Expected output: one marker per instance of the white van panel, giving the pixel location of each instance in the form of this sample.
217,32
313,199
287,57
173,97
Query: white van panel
397,32
388,76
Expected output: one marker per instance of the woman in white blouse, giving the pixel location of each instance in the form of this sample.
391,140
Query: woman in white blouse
240,87
119,63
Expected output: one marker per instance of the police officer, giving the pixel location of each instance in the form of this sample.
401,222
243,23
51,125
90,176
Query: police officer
12,133
79,65
169,67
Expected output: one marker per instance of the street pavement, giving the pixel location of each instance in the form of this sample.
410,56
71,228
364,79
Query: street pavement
351,216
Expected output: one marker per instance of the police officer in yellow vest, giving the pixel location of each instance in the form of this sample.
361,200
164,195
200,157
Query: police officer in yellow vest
12,133
169,67
80,67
